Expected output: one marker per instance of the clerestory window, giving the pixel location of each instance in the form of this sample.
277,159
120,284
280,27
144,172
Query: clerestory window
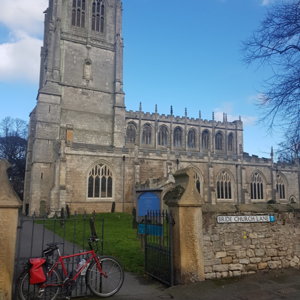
131,133
219,141
192,138
147,134
205,140
98,12
100,182
163,136
224,186
178,137
257,187
230,142
78,13
280,187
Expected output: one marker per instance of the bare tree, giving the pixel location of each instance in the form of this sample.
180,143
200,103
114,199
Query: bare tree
277,43
13,134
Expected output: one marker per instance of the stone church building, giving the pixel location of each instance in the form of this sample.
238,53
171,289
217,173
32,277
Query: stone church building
85,150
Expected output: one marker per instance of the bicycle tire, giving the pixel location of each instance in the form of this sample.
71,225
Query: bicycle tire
105,286
27,291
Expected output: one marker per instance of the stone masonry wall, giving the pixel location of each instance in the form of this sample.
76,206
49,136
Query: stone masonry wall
235,249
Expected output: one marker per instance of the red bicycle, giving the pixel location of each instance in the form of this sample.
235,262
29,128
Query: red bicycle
104,275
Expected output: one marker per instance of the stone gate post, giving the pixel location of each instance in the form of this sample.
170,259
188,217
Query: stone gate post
9,206
185,204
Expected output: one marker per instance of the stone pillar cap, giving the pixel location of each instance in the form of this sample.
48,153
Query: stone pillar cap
8,197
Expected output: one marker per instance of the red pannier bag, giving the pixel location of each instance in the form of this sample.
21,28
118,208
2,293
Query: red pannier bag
36,272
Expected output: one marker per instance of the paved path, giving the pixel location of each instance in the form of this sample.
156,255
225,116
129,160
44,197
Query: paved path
275,285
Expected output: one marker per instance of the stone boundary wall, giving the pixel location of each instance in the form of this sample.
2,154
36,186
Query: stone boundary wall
234,249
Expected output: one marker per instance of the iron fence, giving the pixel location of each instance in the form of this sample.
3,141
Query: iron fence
158,233
34,233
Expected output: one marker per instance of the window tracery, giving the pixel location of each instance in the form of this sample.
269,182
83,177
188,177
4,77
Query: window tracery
78,13
163,136
178,137
219,141
98,12
257,187
131,133
224,186
146,134
280,187
205,140
100,182
192,138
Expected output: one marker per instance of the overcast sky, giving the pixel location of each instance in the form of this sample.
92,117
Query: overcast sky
181,53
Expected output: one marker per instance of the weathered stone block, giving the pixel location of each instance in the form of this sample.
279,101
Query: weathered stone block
271,252
251,267
255,260
274,264
220,268
262,265
226,260
244,261
221,254
236,267
259,252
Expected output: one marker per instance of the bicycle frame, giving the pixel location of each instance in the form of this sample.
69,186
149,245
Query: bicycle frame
60,261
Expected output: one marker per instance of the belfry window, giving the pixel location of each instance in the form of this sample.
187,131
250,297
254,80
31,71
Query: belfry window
192,138
280,187
230,142
163,136
100,182
178,137
224,186
219,141
78,13
257,187
205,140
146,134
131,133
98,12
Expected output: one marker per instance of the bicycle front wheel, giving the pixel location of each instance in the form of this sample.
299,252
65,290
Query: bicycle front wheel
108,284
29,291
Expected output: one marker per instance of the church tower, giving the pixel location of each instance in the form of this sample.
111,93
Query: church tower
77,126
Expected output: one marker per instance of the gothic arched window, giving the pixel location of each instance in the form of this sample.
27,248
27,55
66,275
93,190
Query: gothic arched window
219,141
224,186
192,138
163,136
280,187
146,134
98,11
230,142
205,140
178,137
100,182
78,13
131,133
257,187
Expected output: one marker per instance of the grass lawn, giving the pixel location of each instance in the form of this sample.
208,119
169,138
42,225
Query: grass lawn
120,239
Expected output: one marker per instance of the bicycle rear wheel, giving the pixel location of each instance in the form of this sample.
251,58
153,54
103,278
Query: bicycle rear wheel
27,291
108,285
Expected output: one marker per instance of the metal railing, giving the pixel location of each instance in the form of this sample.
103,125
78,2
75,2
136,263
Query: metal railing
158,234
72,231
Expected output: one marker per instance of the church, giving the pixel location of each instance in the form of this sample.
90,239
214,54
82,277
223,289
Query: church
88,153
